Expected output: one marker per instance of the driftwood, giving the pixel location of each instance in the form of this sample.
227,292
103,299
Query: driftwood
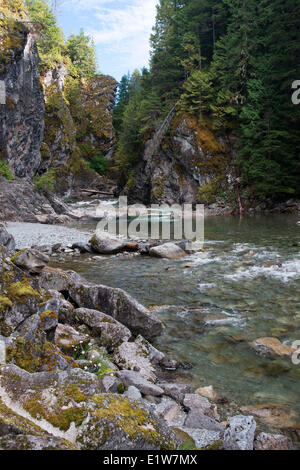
94,191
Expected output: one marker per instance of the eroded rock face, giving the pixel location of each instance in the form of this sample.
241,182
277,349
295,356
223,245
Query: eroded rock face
22,117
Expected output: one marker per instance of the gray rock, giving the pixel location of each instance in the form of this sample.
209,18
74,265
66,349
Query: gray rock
196,419
82,247
167,250
31,260
133,393
195,402
132,357
170,411
114,302
110,384
111,332
7,240
67,338
106,245
154,355
239,434
265,441
22,119
129,377
176,391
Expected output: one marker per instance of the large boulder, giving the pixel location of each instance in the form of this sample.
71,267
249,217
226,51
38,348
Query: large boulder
7,240
106,245
114,302
31,260
239,434
167,250
70,405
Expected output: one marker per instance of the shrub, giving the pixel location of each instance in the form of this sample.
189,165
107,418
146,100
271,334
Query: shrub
99,164
45,182
6,171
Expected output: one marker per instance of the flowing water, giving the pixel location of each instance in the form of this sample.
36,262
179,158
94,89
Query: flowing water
214,303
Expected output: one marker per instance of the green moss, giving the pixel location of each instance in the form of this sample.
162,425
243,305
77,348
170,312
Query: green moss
58,417
21,291
5,303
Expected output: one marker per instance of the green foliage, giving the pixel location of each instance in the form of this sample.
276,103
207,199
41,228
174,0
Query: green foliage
5,170
81,51
45,182
51,42
99,164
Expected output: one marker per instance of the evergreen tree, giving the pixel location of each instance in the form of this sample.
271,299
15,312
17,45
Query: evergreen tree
81,50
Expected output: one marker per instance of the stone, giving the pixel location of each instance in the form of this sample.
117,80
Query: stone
167,250
131,356
210,393
195,402
105,245
175,391
7,240
170,411
196,419
82,247
133,393
272,346
67,338
31,260
111,332
239,434
113,302
265,441
154,355
110,384
61,402
129,377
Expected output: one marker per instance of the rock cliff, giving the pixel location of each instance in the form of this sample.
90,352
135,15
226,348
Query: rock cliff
22,114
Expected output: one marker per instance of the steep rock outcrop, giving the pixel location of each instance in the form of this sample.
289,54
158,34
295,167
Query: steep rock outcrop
22,115
175,165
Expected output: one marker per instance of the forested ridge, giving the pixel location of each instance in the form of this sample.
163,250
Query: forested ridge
230,66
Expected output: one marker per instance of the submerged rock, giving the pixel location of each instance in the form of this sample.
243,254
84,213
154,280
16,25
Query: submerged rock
272,346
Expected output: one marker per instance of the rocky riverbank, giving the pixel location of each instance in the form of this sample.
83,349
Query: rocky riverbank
81,373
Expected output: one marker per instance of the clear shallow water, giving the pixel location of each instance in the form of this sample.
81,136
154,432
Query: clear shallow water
215,302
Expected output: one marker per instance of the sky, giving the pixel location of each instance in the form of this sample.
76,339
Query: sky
121,30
